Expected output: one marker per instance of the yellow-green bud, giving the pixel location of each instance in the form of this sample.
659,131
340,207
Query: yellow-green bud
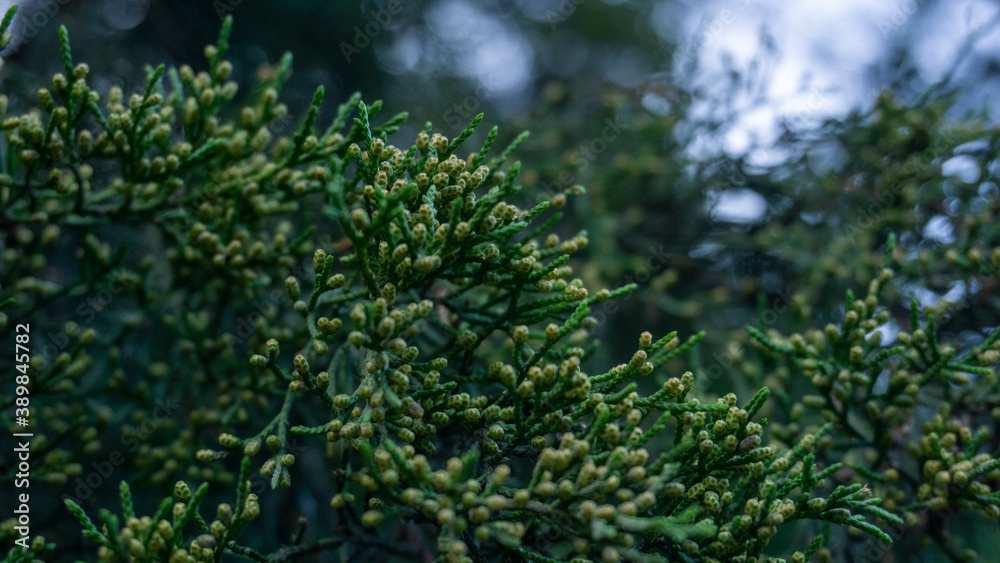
182,491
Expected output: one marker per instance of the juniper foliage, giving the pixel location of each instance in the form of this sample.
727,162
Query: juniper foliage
329,307
887,206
